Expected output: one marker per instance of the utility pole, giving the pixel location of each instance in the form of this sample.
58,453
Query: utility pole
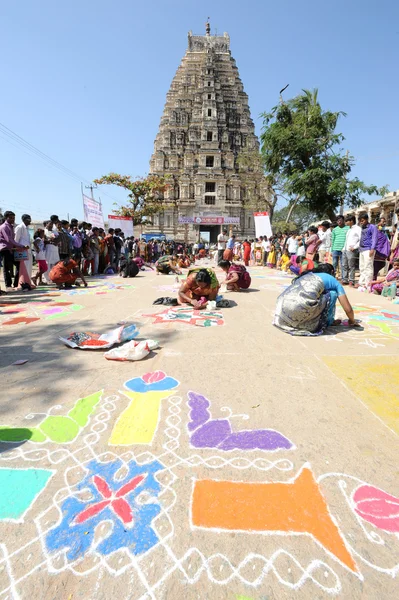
91,187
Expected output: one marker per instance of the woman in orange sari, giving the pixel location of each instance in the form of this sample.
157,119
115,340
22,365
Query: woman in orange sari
247,252
184,261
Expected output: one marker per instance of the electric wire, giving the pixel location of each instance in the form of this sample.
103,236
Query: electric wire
30,149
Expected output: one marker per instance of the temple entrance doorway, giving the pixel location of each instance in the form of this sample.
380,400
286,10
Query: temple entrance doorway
210,233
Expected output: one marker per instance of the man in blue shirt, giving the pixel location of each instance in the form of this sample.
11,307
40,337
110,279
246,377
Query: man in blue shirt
368,244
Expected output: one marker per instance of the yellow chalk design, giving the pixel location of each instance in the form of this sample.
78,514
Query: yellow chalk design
376,383
138,423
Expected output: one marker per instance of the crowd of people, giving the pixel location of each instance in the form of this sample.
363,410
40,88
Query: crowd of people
65,253
348,246
62,252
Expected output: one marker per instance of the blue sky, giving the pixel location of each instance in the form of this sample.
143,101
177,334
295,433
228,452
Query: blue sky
85,82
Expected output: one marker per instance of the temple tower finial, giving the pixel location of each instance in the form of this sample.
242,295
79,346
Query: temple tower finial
208,27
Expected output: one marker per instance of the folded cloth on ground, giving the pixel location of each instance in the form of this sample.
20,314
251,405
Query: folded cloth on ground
167,301
224,303
88,340
132,350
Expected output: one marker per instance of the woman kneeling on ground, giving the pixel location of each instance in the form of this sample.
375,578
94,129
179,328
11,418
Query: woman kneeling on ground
65,274
237,277
307,306
388,285
200,286
167,264
183,261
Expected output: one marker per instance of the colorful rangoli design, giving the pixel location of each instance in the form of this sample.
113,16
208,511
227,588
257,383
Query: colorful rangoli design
146,511
189,316
113,501
218,433
29,312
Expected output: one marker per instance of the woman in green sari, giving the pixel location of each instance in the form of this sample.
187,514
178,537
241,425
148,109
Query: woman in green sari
200,286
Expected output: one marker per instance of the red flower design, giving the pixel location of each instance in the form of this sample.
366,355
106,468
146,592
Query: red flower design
153,377
115,500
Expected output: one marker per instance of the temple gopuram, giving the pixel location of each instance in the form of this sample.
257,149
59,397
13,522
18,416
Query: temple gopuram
205,142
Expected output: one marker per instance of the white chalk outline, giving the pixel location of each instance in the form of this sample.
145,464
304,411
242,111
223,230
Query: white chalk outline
171,459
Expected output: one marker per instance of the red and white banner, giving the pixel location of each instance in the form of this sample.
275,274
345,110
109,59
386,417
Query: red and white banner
124,223
262,224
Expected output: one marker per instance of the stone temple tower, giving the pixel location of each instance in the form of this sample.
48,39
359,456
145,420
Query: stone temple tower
205,127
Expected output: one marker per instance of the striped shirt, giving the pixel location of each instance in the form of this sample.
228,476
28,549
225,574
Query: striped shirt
63,244
338,237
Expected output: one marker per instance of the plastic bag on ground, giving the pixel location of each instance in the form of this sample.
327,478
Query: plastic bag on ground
88,340
132,350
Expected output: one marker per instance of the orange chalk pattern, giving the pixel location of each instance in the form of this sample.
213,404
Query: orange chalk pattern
294,507
18,320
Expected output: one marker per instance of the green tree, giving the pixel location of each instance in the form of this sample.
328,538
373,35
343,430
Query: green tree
301,147
298,219
145,195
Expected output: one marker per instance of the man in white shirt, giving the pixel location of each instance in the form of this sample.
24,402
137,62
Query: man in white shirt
22,236
324,234
222,239
292,244
350,252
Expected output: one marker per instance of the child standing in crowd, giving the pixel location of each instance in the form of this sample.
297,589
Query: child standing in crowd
271,258
284,261
38,244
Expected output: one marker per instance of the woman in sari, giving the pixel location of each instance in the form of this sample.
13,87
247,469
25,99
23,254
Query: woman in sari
200,286
312,242
237,277
247,252
103,251
387,286
167,264
271,257
301,264
307,306
394,243
183,261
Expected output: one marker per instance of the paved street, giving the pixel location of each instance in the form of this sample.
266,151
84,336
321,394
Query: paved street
235,461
